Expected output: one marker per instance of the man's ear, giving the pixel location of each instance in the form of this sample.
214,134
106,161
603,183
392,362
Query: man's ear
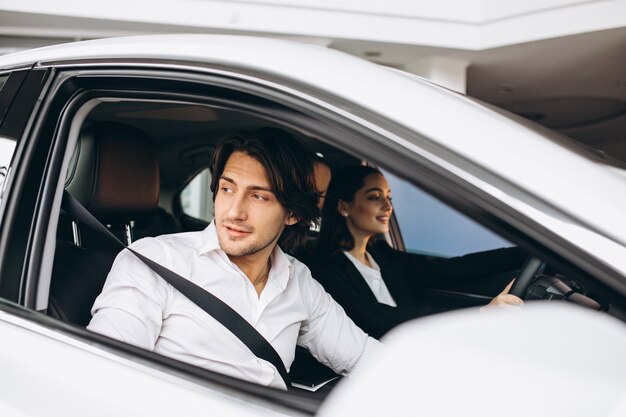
291,220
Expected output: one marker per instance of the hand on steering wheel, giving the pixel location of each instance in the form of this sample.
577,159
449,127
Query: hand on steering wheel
504,299
513,294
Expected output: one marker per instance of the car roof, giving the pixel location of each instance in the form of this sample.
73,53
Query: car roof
591,194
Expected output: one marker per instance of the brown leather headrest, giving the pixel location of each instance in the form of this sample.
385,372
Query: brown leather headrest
114,172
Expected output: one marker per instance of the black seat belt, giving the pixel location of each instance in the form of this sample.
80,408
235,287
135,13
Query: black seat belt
212,305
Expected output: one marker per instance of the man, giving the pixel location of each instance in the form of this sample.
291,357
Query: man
265,200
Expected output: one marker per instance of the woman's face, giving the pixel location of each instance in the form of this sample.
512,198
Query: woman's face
368,214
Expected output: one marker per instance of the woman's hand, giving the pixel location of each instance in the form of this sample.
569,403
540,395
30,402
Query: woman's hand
504,299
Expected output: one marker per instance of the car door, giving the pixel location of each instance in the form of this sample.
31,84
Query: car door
53,358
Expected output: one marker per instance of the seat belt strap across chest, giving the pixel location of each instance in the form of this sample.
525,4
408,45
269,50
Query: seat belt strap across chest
208,302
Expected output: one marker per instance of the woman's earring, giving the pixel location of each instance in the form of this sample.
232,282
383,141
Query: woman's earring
344,214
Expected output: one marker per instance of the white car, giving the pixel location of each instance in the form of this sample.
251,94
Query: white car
467,177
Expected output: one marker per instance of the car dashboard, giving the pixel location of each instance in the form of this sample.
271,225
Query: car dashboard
552,285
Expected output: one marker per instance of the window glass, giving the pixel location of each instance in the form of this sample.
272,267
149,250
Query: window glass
196,198
428,226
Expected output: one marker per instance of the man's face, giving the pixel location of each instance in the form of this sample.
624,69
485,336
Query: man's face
248,217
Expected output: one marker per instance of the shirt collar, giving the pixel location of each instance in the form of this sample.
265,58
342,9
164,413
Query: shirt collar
358,263
209,241
281,266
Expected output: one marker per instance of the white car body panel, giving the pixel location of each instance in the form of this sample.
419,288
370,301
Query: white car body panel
78,379
482,364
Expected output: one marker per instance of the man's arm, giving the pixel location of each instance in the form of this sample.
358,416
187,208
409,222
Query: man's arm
130,307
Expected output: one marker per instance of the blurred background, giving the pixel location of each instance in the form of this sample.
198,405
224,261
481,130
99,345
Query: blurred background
561,63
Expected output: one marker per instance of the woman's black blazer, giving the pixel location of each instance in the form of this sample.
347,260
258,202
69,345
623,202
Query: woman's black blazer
405,275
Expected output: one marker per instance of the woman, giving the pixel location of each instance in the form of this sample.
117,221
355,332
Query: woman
377,286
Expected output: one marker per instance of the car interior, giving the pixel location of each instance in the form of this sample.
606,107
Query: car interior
141,168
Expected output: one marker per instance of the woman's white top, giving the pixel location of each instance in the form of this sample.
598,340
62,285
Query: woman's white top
373,278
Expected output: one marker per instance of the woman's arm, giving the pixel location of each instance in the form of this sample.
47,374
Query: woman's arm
426,271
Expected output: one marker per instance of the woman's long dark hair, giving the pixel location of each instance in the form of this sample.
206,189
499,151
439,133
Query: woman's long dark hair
334,234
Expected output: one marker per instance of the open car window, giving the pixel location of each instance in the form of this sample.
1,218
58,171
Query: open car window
450,233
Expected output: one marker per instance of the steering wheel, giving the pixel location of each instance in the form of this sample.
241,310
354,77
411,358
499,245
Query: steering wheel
526,274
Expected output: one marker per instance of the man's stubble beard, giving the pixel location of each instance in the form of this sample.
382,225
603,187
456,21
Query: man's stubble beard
252,248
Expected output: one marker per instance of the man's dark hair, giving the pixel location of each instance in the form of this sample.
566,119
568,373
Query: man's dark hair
334,234
289,169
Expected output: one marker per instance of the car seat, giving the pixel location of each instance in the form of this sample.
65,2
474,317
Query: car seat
113,173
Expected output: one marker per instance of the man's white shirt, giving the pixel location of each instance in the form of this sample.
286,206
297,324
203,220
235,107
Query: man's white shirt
138,307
